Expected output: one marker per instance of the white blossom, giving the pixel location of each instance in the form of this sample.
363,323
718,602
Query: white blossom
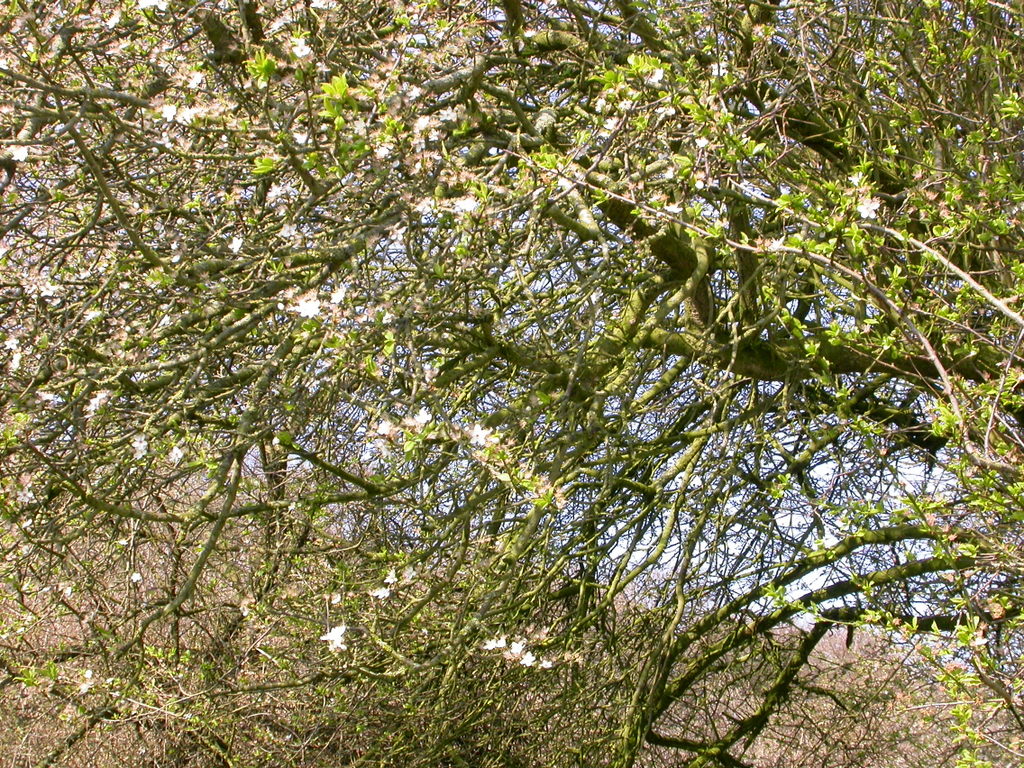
391,578
382,593
300,49
868,207
655,77
528,659
49,398
236,244
87,683
278,191
306,306
494,643
136,578
49,290
176,454
546,664
185,115
448,115
97,401
160,5
18,152
480,435
140,446
335,638
422,123
465,205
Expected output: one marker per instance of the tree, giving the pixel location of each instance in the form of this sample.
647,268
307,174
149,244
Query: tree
403,383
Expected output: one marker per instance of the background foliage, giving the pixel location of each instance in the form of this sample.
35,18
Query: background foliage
511,384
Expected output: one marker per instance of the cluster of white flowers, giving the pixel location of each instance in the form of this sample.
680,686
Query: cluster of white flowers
388,430
418,421
281,192
425,128
391,581
516,651
39,284
172,113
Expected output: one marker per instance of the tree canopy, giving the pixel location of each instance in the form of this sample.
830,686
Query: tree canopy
515,383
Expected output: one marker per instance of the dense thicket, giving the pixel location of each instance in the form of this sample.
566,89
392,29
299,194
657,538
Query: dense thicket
529,383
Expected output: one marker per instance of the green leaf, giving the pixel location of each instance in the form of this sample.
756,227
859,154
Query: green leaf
261,67
264,165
